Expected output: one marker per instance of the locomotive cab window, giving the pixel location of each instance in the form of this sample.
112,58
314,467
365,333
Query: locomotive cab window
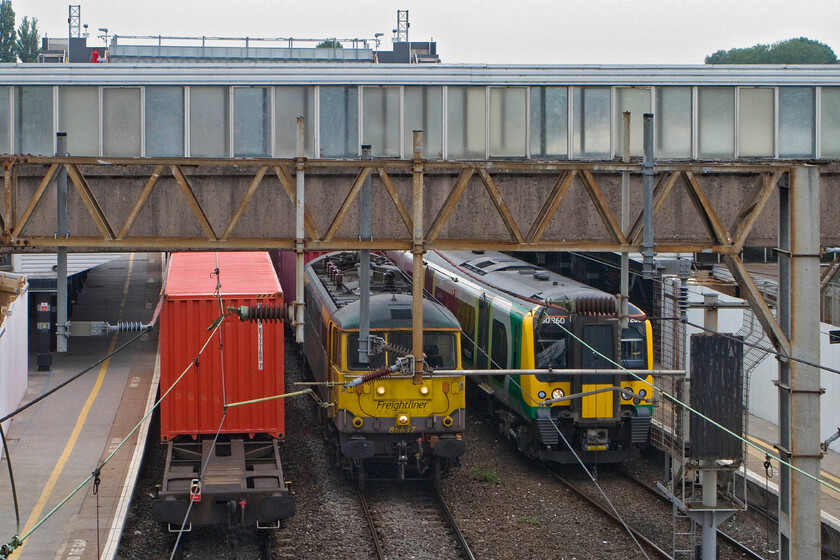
550,346
439,348
632,348
353,363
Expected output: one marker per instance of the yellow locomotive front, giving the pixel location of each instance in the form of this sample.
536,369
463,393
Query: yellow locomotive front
382,423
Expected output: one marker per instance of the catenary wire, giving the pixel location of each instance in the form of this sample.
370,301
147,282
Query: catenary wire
17,540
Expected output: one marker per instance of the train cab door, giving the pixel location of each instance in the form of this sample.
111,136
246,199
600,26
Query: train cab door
483,333
599,351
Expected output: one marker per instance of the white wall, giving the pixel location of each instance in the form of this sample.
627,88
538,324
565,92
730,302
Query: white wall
13,356
764,396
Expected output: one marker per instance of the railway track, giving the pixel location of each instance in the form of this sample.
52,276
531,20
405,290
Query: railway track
409,521
644,540
743,549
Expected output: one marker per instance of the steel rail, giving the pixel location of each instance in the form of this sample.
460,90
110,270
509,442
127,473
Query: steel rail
643,539
380,554
459,536
729,539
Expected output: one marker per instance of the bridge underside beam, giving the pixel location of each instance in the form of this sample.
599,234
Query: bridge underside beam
171,204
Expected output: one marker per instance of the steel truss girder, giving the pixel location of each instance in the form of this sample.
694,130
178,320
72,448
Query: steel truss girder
323,225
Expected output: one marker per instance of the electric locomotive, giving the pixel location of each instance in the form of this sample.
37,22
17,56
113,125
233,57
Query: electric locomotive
517,316
406,430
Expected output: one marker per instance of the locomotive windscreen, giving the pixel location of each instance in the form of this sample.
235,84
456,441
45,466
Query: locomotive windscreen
633,348
439,348
550,347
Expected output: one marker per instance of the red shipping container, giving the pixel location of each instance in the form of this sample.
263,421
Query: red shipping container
252,366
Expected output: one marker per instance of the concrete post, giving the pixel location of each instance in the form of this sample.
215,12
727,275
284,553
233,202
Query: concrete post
61,328
799,384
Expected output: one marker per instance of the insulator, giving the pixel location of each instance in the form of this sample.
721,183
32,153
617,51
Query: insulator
258,313
596,306
127,326
378,373
265,313
682,299
339,279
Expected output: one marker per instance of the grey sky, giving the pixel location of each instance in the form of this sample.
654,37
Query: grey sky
488,31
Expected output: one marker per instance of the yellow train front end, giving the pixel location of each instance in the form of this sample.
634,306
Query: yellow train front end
389,426
596,414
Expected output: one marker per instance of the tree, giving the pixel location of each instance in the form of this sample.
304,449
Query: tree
7,32
329,44
26,46
792,51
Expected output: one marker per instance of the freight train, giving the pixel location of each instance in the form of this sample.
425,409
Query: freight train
223,462
515,315
382,427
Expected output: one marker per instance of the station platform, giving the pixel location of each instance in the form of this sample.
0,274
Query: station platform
764,434
57,443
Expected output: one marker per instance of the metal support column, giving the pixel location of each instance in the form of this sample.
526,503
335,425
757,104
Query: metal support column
364,265
799,384
300,167
623,308
647,176
417,250
61,327
709,476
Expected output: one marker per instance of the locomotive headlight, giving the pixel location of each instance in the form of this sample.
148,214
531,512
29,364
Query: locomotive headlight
402,419
557,393
380,390
626,394
541,394
642,393
424,390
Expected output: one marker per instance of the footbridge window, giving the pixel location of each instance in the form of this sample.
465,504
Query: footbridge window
830,122
508,122
673,122
252,121
291,102
756,119
637,101
209,110
549,112
797,132
467,125
424,111
716,122
33,122
164,118
381,123
78,116
591,107
339,116
121,124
